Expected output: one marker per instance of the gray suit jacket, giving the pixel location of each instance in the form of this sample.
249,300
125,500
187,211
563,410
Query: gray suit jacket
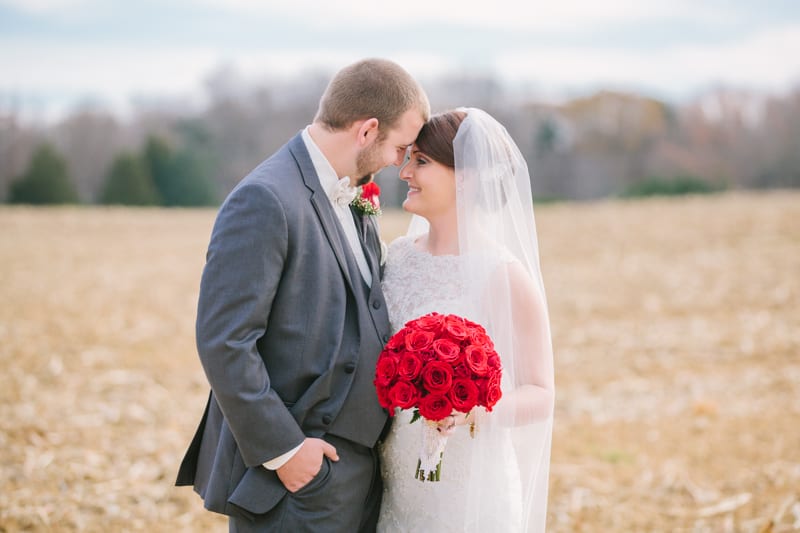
288,334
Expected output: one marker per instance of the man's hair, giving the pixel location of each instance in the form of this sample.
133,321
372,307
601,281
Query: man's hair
371,88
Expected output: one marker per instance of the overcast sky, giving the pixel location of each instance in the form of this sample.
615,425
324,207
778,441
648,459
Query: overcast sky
56,53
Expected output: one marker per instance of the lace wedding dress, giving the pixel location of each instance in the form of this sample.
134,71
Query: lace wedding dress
416,283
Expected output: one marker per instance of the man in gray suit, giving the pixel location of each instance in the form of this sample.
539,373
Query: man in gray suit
291,320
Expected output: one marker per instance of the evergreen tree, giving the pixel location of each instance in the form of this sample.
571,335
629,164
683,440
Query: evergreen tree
46,181
129,183
158,157
183,178
190,182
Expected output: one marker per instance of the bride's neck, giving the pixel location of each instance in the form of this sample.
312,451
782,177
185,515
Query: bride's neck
442,237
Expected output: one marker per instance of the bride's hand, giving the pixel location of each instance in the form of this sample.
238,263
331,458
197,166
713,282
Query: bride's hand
447,425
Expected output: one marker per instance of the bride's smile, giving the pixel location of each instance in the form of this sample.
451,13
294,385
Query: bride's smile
431,186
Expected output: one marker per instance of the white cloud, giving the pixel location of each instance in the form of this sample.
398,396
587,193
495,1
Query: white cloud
50,78
33,65
61,72
48,7
759,61
115,72
499,14
261,65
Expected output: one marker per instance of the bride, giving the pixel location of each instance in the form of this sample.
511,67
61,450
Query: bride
471,250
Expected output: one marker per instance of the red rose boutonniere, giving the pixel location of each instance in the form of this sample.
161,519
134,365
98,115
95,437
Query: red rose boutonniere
367,201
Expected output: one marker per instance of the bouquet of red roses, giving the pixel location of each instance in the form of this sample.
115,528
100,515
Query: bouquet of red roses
435,365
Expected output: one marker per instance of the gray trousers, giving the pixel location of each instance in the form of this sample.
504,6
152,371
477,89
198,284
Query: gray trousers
344,497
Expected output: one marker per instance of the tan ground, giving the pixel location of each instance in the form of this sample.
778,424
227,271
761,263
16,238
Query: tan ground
676,327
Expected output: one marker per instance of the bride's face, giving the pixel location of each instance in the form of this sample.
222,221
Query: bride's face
431,186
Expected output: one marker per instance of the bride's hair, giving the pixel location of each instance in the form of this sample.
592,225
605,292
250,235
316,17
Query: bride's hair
435,139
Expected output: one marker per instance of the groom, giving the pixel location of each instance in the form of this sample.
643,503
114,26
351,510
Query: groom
291,320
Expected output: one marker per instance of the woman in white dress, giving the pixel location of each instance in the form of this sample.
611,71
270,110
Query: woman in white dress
471,250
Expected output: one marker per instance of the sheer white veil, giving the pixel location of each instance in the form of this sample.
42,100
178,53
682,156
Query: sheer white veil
502,289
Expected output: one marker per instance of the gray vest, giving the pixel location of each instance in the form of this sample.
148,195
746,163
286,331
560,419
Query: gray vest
361,421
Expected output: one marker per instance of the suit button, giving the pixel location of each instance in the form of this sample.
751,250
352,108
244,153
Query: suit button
326,419
350,368
376,304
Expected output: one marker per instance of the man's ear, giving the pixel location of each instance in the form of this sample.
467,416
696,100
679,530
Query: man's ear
368,132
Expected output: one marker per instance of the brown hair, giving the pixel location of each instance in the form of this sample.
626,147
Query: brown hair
371,88
435,139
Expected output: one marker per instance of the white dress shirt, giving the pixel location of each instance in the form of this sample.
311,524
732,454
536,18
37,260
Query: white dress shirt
328,179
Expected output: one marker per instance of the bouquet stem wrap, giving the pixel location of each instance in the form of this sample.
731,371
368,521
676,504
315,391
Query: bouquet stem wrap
429,466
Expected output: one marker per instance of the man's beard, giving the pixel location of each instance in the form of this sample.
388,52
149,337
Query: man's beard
363,180
368,164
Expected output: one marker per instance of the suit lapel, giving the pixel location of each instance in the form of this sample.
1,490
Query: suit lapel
322,205
364,224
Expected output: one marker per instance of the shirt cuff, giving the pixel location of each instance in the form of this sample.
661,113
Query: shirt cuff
274,464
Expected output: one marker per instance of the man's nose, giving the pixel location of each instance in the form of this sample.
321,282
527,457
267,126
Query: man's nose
405,171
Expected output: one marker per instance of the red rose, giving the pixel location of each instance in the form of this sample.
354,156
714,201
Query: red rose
471,325
479,337
403,395
370,192
493,392
430,322
494,361
483,385
409,367
477,360
398,341
386,369
427,355
461,371
447,350
418,340
464,395
384,398
455,327
437,377
435,407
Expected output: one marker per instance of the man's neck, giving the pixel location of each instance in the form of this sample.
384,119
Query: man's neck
334,146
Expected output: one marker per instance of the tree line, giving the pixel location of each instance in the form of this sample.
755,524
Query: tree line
155,176
603,144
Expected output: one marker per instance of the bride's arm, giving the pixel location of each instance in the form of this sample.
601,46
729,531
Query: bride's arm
524,311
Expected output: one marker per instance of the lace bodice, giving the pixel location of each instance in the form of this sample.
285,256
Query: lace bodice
416,283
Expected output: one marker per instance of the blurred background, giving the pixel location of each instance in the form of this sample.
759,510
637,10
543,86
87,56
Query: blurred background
664,145
171,103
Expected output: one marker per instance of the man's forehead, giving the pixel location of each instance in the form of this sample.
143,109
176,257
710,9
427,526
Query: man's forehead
408,128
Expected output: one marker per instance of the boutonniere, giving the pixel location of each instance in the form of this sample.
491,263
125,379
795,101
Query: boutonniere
367,201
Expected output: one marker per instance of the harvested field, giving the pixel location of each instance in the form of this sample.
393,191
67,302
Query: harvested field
676,327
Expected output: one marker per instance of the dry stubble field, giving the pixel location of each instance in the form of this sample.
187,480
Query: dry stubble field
677,339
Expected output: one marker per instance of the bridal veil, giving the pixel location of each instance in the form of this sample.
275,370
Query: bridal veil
503,291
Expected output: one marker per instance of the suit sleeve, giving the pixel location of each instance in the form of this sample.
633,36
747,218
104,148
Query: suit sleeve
244,264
